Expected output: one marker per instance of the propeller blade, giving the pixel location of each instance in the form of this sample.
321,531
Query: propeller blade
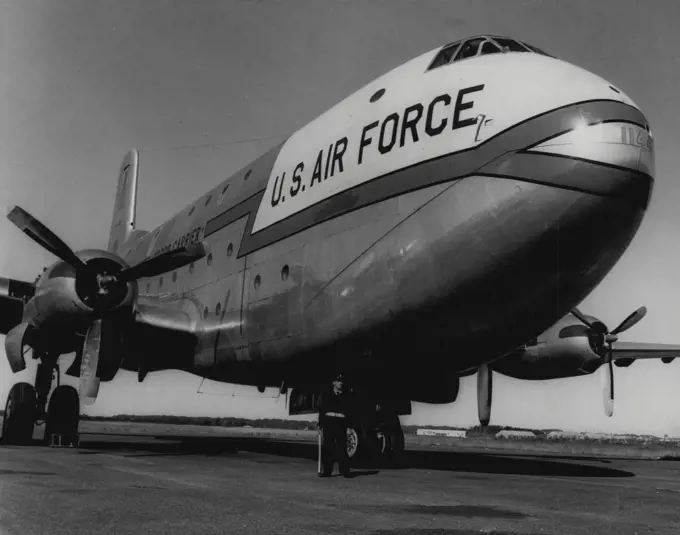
164,262
43,236
89,382
14,347
484,394
631,320
74,369
607,376
576,312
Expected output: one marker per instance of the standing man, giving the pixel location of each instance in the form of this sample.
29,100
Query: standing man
333,414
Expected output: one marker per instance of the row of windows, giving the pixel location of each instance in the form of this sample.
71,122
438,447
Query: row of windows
220,199
208,261
285,272
480,46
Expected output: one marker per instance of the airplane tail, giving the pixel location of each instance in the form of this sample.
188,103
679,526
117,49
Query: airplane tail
123,222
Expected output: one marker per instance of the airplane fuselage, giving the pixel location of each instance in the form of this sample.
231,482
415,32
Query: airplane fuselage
436,219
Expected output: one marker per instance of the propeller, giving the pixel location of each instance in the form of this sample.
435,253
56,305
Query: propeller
43,236
104,280
89,382
602,341
160,264
101,284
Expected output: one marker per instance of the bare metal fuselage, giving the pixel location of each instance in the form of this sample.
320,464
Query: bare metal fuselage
411,238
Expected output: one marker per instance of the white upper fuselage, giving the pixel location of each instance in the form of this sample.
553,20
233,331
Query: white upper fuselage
461,104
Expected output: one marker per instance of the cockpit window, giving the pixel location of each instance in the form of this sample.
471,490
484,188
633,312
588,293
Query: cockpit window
480,46
531,343
445,55
510,45
537,50
469,48
489,48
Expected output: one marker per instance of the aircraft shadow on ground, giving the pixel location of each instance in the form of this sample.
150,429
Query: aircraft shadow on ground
454,461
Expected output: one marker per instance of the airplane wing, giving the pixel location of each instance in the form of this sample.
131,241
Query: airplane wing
640,350
161,337
625,353
173,319
11,311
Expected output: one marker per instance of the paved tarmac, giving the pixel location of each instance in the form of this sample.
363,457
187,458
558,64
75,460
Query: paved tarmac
198,484
659,449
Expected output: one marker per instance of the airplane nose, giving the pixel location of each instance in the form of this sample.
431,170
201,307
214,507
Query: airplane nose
618,143
540,212
602,148
610,159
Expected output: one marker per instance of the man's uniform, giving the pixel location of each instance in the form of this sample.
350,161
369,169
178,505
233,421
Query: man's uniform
333,414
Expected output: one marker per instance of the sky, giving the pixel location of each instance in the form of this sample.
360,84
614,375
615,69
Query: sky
202,88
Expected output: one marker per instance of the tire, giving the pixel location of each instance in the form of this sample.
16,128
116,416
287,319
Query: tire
395,452
19,415
398,442
353,443
364,443
63,415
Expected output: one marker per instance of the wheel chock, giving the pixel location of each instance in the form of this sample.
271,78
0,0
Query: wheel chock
64,441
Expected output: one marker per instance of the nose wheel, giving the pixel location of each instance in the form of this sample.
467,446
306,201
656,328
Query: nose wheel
352,442
394,443
386,443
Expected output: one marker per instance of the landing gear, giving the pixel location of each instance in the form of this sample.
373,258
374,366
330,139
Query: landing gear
19,415
26,405
394,450
379,438
364,441
373,430
63,417
352,442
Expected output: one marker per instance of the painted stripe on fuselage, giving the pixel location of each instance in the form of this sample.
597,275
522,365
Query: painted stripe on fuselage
486,158
558,170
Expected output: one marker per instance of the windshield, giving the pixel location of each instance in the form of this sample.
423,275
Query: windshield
480,46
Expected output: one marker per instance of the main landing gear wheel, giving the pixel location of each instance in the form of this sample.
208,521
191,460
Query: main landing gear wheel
63,417
365,443
396,446
352,442
19,415
359,445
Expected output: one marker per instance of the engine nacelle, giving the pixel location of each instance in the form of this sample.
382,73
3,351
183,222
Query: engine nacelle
438,389
64,299
565,350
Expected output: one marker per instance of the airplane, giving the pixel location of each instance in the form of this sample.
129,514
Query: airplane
430,223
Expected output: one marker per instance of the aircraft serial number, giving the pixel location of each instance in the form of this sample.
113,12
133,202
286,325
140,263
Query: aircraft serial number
642,139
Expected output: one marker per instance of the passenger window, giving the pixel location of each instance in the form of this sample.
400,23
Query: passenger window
508,45
489,48
222,195
444,57
469,48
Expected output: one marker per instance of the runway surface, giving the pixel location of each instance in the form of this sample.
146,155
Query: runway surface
183,484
